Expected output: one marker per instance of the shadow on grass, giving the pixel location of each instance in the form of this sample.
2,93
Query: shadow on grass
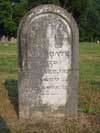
95,83
3,126
12,88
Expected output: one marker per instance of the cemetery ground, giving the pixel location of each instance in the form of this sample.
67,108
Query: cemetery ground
88,95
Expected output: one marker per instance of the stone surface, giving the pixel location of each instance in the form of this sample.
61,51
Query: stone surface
48,63
3,39
13,40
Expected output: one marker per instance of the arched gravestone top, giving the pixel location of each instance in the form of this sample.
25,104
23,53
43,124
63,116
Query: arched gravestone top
48,62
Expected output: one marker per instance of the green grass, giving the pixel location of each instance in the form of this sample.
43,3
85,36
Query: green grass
8,62
90,61
89,77
90,65
89,80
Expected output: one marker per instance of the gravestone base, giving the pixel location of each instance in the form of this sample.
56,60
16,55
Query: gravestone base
38,116
51,125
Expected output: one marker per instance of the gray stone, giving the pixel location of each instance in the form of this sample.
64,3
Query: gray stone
3,39
48,44
98,41
13,40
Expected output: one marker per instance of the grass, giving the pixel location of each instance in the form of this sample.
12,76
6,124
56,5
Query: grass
89,84
88,92
8,62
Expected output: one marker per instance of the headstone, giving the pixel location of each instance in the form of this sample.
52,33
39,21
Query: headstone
3,39
98,41
48,45
6,40
12,39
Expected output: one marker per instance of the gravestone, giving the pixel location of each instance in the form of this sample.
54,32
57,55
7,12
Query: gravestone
13,40
48,45
3,39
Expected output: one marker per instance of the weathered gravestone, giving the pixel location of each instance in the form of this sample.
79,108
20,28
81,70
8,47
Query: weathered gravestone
48,58
13,40
3,39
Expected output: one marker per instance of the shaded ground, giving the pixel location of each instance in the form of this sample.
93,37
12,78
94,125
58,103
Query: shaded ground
89,96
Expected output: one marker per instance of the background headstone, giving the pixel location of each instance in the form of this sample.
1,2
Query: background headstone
3,39
98,41
48,43
13,40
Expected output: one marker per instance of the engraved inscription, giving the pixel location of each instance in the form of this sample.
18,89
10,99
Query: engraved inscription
55,79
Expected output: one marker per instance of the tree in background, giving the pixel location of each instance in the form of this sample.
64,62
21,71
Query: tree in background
34,3
7,25
19,10
89,22
85,12
11,12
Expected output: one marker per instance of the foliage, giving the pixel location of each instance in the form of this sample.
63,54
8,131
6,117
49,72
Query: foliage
33,3
86,13
7,25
